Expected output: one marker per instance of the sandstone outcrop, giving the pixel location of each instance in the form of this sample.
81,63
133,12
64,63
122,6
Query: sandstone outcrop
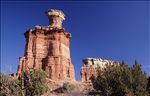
47,48
90,66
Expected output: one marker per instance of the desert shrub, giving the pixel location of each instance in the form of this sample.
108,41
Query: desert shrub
38,80
121,81
34,82
9,86
28,84
68,86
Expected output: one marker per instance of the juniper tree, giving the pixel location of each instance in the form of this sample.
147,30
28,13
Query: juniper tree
121,80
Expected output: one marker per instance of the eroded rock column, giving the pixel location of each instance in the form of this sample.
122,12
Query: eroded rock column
48,48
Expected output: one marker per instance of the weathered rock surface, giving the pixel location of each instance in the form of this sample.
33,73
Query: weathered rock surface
79,88
90,65
47,48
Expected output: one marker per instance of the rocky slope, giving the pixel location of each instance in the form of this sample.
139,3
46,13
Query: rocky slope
79,89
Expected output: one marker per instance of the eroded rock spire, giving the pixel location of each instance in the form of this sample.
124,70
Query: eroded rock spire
48,48
56,18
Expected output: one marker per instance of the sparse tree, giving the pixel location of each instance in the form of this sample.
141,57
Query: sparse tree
139,80
34,82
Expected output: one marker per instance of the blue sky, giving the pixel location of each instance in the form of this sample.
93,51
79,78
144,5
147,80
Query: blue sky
112,30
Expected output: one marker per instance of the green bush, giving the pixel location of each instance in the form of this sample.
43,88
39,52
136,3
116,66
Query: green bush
121,81
34,82
68,86
9,86
28,84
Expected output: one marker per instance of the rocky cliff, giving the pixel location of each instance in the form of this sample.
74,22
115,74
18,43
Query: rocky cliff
48,48
90,66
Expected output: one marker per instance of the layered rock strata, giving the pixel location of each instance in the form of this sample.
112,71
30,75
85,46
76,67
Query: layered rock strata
48,48
90,66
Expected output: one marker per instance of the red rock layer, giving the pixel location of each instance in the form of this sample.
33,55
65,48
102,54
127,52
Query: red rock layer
87,72
90,66
48,50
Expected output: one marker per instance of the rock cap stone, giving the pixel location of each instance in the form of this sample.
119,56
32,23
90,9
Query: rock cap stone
55,12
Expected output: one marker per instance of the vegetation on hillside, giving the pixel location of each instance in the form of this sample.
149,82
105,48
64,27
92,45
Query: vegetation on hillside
68,86
8,86
34,82
28,84
121,80
114,80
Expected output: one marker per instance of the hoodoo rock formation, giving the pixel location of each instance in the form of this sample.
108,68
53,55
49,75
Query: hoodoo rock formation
47,48
90,66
